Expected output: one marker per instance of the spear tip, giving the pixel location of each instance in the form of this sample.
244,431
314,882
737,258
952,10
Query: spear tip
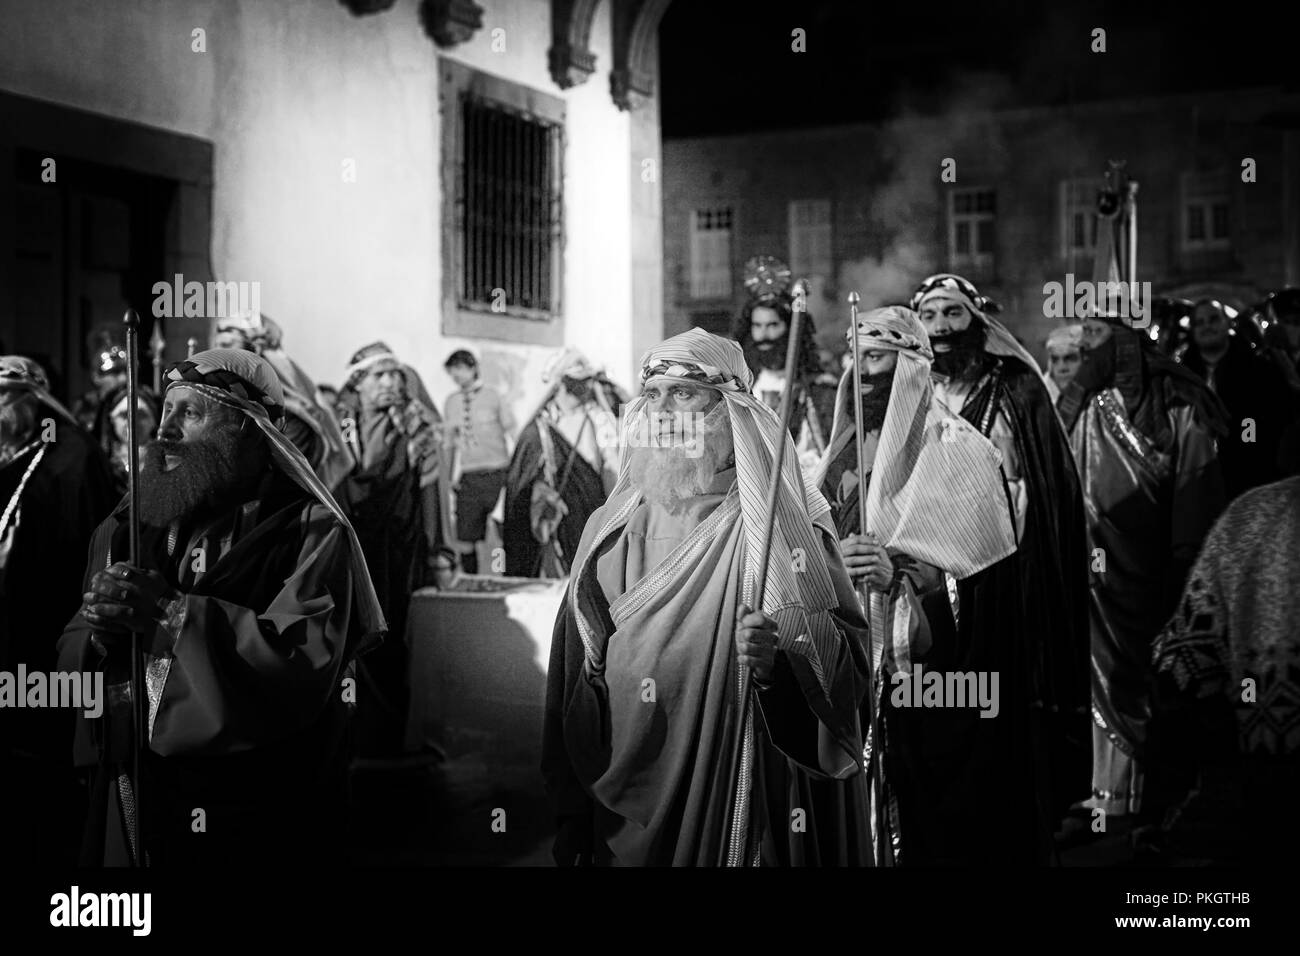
130,319
854,298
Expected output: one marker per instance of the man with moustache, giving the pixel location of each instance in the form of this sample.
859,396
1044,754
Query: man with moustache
55,487
392,497
983,374
1143,429
644,741
1252,388
763,331
250,595
962,789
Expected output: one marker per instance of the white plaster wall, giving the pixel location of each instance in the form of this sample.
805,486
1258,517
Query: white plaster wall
287,91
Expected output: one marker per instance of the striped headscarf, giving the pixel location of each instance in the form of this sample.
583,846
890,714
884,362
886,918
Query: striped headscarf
998,339
798,602
936,490
246,382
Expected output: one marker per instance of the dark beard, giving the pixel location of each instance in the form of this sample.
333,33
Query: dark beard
210,470
876,402
771,358
966,353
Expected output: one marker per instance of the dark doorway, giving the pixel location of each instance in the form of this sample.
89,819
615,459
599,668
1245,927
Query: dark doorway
128,206
84,253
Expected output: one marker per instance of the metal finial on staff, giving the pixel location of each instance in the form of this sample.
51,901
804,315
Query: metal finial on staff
191,344
743,781
138,705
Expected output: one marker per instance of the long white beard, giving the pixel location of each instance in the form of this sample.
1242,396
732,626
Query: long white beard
682,466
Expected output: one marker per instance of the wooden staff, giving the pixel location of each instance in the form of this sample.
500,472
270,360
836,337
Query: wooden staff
139,707
740,792
880,835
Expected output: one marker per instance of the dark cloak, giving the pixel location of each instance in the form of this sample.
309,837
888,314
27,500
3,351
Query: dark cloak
69,493
583,492
963,787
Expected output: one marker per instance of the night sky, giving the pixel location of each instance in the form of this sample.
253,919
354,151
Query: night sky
727,65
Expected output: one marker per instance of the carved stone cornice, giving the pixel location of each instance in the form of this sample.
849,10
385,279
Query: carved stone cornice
570,58
450,22
636,26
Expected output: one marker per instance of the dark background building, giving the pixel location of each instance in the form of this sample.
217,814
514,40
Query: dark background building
832,157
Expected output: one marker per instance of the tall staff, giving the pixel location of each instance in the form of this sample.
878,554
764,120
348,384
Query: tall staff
740,829
872,754
138,705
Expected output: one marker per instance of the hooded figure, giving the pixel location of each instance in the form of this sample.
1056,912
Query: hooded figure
663,589
55,487
251,597
563,467
394,496
310,422
1143,430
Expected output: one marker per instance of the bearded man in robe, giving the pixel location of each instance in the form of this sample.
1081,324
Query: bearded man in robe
648,754
1144,430
952,787
988,378
763,331
564,466
250,596
309,418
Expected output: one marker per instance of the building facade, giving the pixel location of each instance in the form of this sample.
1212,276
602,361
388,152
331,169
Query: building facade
439,175
1005,198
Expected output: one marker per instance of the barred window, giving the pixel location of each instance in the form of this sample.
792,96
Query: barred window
1205,212
503,208
972,214
511,222
810,241
711,253
1079,216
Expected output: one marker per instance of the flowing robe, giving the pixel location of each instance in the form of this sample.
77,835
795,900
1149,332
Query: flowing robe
963,790
395,516
246,717
1149,508
638,747
583,493
1046,578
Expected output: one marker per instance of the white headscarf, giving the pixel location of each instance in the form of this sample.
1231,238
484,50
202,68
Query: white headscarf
797,601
